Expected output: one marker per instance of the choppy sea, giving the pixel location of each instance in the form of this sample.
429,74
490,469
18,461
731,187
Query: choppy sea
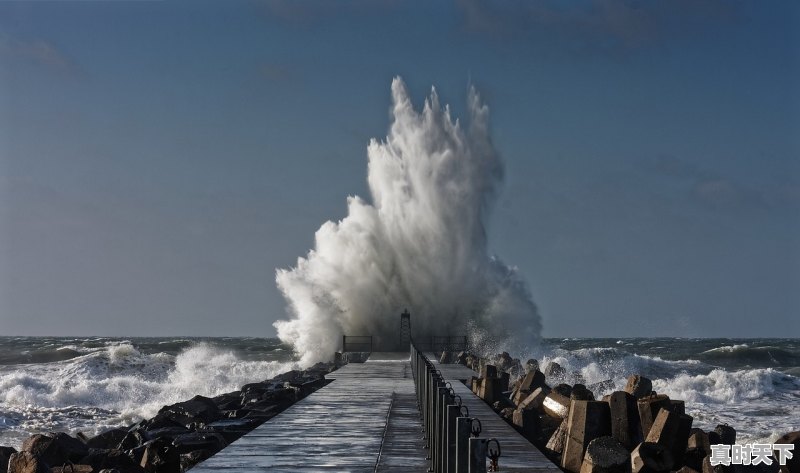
93,383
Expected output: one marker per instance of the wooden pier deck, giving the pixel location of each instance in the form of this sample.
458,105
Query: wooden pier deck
365,420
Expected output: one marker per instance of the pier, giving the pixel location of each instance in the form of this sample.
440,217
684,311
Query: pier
366,420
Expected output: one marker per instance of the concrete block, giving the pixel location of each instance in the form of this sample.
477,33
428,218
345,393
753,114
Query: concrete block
625,424
490,390
581,393
697,448
792,465
648,410
505,378
650,458
532,380
639,386
527,422
556,405
727,434
488,371
554,370
606,455
587,421
672,431
535,399
558,438
677,406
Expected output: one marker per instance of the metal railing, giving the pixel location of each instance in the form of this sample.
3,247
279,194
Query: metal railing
356,343
450,434
437,343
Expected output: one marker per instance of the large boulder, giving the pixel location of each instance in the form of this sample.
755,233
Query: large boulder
5,454
55,449
198,410
109,439
111,460
26,462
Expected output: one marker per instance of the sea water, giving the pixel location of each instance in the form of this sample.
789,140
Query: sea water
91,384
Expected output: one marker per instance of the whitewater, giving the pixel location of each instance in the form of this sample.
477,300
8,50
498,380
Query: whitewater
90,384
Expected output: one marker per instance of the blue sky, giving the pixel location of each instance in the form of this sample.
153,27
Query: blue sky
158,160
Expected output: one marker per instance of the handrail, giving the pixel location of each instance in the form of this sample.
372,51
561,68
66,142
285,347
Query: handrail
450,434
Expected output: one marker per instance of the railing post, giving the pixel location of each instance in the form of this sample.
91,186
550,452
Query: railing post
477,455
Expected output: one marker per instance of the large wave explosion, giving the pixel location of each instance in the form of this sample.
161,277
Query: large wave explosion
420,244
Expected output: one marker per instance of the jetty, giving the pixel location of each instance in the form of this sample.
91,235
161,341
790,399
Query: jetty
380,416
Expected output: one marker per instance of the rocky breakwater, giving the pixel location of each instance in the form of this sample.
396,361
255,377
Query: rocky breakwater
177,438
635,430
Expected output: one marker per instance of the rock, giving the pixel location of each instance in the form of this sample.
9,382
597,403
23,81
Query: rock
228,401
638,386
26,462
55,448
672,431
687,469
108,439
650,458
194,457
648,410
625,424
72,468
606,455
134,438
160,456
792,465
587,421
198,409
507,413
531,365
554,370
211,441
727,434
5,454
112,460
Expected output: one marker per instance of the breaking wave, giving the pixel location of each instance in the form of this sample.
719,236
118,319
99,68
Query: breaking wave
117,385
420,244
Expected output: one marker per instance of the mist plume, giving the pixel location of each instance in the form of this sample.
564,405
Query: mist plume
420,244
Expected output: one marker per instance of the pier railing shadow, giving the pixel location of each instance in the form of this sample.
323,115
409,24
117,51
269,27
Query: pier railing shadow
451,435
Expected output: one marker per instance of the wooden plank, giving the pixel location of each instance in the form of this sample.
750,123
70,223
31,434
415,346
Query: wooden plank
366,420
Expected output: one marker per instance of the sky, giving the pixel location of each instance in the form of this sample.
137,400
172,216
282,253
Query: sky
160,159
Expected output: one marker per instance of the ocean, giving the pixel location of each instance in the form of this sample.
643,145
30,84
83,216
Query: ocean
94,383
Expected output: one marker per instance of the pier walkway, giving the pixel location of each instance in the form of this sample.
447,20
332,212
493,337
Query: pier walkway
365,420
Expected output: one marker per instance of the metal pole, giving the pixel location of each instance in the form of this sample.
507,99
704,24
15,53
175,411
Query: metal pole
477,455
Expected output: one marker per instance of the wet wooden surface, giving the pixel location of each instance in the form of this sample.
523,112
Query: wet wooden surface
366,420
